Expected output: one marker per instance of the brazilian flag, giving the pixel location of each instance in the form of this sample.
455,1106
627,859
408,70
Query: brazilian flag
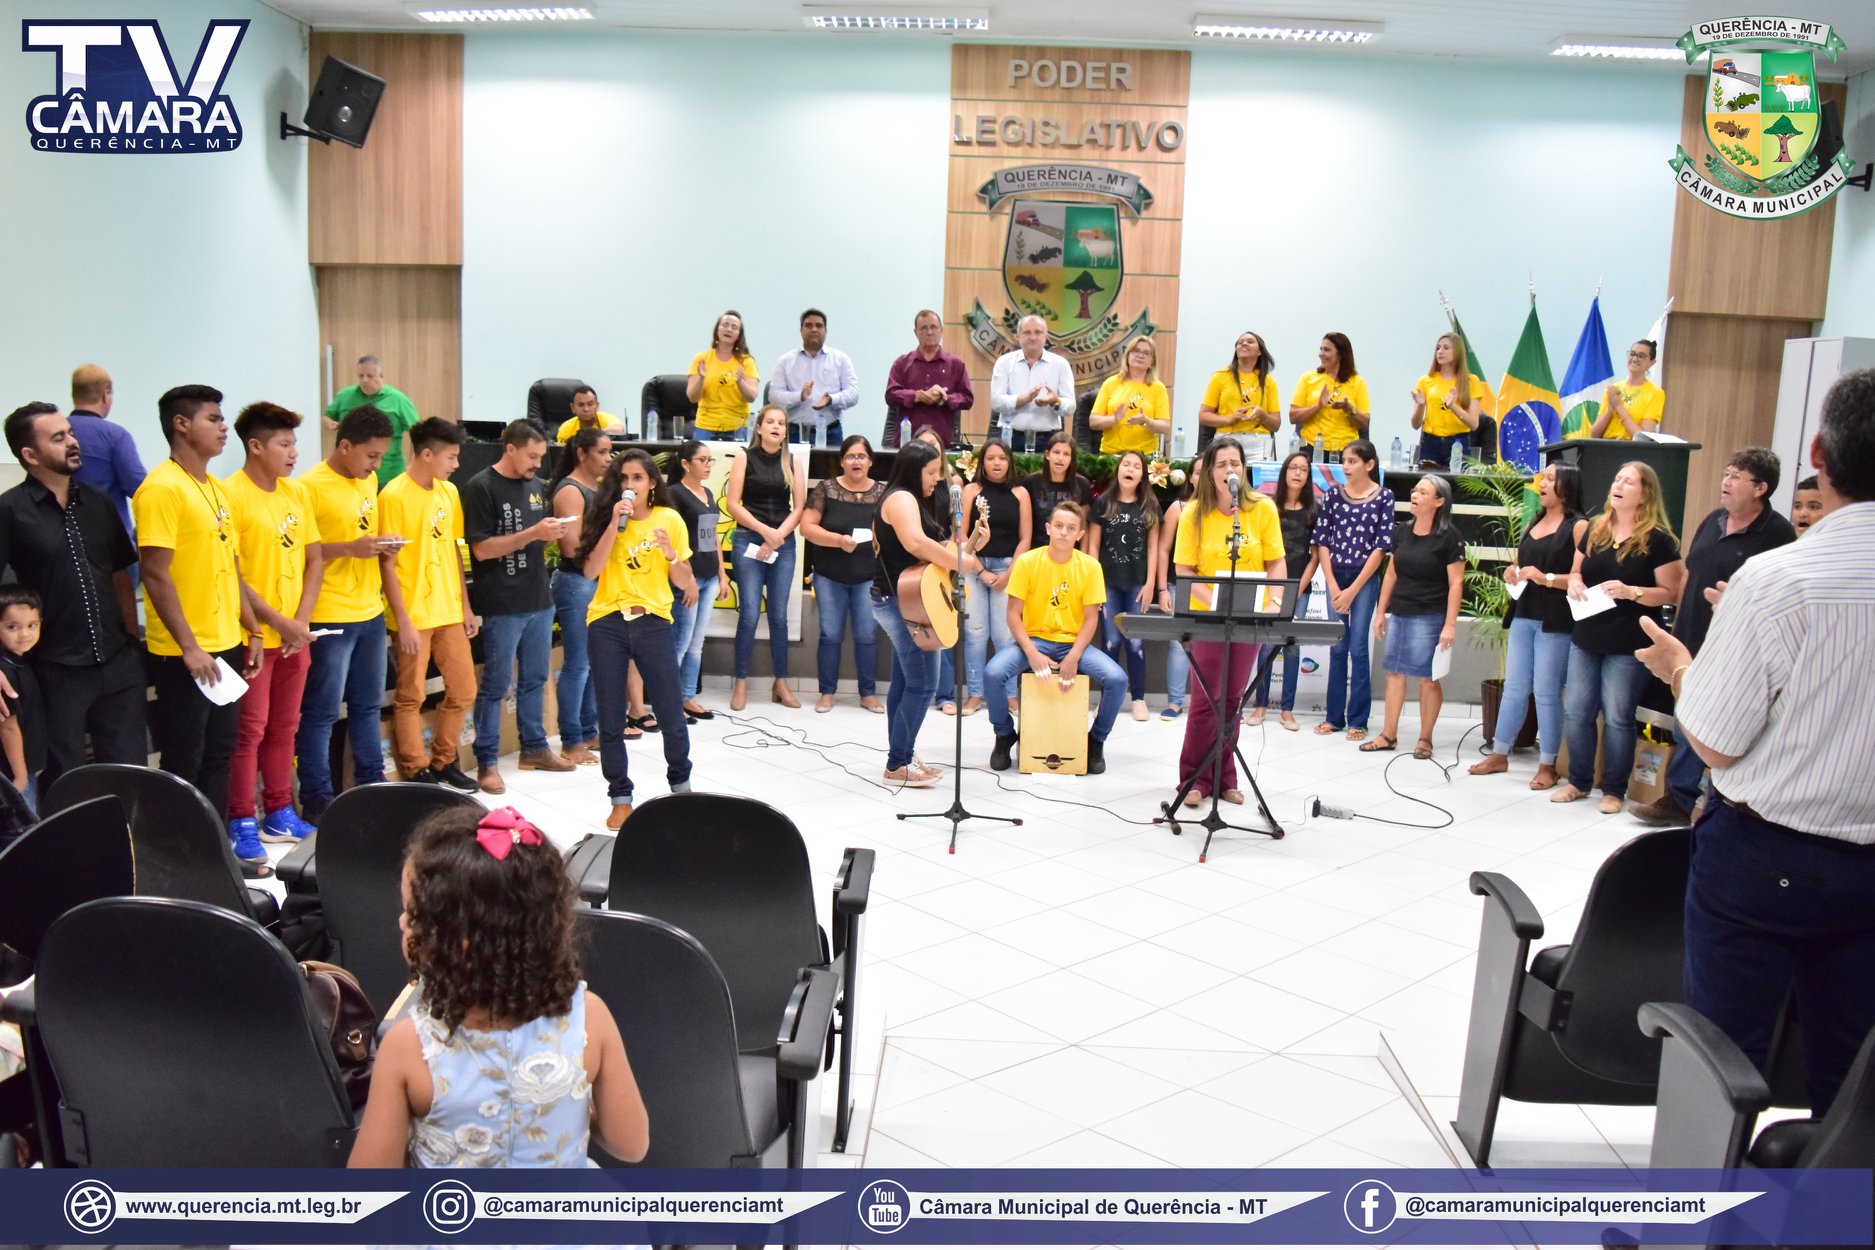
1527,402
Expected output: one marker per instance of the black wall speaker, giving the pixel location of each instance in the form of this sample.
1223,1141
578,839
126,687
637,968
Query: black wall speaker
344,101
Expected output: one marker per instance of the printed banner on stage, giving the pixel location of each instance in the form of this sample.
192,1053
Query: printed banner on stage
842,1206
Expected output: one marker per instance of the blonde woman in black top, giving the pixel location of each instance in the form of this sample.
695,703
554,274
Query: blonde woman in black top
766,502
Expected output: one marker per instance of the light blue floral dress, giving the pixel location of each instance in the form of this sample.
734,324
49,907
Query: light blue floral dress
505,1098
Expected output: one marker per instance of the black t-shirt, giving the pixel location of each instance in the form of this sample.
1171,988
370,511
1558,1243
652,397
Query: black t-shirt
1005,519
1712,557
1298,524
1044,495
28,708
842,511
1421,585
701,518
889,555
1555,552
1619,632
1123,545
493,506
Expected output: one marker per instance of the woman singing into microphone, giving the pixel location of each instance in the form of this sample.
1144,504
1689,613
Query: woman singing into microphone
1202,550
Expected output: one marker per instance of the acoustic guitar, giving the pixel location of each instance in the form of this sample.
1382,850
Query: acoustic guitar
931,611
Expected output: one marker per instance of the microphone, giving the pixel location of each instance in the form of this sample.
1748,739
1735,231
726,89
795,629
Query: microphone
1234,484
630,498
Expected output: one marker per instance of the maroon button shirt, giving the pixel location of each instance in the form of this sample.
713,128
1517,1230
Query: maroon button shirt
912,373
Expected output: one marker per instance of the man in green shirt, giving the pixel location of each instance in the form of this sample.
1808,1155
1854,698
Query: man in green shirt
393,403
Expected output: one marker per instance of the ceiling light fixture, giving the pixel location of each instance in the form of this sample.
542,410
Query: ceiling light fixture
501,13
1286,29
1618,48
931,19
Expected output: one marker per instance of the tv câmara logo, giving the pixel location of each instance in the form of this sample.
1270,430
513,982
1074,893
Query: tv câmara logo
1762,118
116,89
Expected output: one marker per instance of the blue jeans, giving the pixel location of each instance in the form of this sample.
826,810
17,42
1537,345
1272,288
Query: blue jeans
945,690
508,637
1035,441
618,640
1010,663
737,435
1769,910
987,618
1350,665
753,579
1686,772
1121,649
1535,664
833,436
1292,672
575,694
846,607
1177,675
689,626
347,669
1611,685
914,675
1437,448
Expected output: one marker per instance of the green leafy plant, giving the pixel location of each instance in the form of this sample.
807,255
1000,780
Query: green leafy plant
1502,488
1718,98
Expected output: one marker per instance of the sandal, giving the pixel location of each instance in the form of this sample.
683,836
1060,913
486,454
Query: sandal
1380,743
647,723
632,731
1193,798
948,708
1233,796
1545,778
1422,750
1568,794
1324,729
699,711
1357,733
1490,765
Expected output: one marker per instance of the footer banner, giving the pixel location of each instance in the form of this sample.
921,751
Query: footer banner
883,1206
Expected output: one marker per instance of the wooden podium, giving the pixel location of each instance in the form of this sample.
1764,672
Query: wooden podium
1052,734
1599,459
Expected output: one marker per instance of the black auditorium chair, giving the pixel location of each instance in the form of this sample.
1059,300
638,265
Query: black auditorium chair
733,873
1085,435
183,1035
1559,1028
710,1105
71,857
179,842
550,402
665,395
888,437
357,862
1711,1096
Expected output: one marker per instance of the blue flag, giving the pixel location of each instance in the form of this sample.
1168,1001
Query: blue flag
1591,370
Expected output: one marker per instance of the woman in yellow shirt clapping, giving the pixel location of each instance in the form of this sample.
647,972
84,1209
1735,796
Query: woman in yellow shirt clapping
1242,400
1132,407
1447,402
1332,402
723,380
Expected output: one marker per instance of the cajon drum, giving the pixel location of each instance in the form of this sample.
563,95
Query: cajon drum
1052,735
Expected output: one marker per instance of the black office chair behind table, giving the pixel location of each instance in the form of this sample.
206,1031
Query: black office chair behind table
710,1105
665,395
183,1034
179,841
550,403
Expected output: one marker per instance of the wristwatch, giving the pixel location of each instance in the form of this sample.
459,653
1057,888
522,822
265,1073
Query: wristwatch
1549,579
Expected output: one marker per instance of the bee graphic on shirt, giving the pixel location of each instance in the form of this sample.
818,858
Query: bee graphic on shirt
635,554
288,531
223,520
1059,596
437,518
367,515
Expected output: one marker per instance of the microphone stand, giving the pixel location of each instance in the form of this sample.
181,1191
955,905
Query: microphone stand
957,813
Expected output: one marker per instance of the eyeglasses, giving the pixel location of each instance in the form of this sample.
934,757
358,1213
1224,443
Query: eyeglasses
1739,475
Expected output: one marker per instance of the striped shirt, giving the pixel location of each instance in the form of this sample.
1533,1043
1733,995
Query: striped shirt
1784,683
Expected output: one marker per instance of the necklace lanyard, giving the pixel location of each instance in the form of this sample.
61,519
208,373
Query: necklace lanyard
214,508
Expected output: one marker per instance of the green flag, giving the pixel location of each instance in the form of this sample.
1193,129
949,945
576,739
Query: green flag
1471,359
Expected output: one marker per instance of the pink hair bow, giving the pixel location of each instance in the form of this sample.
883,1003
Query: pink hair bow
502,828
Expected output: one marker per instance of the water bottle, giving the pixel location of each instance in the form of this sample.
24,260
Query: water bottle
904,431
1178,443
1398,460
1458,456
1006,427
1315,456
652,429
1295,442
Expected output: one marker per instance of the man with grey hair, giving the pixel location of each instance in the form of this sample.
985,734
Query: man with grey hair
372,389
1031,389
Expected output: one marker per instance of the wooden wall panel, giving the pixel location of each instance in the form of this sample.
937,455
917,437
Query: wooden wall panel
982,72
398,200
409,317
1732,266
1721,383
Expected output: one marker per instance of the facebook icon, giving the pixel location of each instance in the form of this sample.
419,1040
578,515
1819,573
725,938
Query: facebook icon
1370,1206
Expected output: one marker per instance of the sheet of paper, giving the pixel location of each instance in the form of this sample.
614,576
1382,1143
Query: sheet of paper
1596,601
862,535
1515,589
1441,662
1659,436
229,688
327,633
754,552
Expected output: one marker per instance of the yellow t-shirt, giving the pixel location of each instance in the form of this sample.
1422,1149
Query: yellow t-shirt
195,521
1153,403
1441,421
271,531
637,574
1206,546
345,508
1055,597
1645,402
607,422
720,406
1336,427
1225,394
429,566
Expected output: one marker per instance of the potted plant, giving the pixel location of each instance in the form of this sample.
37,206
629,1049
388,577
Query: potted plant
1504,490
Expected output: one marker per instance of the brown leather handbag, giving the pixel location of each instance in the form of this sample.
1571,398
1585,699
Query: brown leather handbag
351,1027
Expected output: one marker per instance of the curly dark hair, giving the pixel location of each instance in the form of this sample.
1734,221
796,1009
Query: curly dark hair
494,934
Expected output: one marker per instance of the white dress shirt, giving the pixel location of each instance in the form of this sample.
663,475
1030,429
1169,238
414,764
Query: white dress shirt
1015,373
831,373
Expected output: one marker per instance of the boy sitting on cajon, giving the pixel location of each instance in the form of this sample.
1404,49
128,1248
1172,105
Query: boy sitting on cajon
1056,594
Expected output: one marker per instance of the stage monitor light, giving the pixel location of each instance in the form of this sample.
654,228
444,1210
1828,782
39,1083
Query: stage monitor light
475,14
1619,48
915,18
1322,30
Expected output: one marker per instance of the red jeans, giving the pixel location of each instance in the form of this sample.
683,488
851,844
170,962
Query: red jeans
1201,720
269,718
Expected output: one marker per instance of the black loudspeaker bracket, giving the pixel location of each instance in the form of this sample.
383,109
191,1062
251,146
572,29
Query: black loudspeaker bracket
288,130
1863,179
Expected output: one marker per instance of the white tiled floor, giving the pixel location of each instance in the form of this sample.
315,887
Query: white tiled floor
1080,991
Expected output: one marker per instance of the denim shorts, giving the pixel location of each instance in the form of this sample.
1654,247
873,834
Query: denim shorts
1411,640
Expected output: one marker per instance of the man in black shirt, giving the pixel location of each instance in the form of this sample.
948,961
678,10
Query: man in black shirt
1739,528
65,541
509,525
